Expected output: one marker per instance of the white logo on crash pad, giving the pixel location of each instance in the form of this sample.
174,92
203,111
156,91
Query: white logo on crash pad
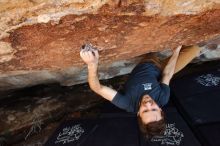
208,80
171,136
70,134
147,86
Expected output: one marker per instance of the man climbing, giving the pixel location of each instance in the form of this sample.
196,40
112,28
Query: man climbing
147,89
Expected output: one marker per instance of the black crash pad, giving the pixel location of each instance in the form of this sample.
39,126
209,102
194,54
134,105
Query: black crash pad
106,131
72,133
210,134
177,132
197,83
115,131
202,108
197,94
118,129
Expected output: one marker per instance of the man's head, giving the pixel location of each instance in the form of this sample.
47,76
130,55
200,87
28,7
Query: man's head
150,117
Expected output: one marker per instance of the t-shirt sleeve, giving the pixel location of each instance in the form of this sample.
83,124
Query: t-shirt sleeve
121,100
164,94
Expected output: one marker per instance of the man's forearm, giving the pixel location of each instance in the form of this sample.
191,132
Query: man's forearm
91,57
93,77
170,68
104,91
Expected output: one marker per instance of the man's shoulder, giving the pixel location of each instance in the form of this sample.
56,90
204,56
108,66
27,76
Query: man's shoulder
145,69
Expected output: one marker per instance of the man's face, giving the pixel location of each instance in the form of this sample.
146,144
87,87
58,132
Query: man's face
149,111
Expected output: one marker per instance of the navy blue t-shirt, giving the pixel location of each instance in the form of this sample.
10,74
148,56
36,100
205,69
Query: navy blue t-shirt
144,79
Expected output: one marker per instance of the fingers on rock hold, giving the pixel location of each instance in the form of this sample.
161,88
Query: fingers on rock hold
88,47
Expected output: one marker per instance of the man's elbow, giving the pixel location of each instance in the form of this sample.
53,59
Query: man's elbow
96,88
166,78
168,74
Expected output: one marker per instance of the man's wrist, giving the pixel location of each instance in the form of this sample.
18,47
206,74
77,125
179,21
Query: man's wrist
92,70
92,65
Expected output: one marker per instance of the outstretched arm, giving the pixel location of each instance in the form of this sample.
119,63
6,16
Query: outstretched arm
170,67
91,58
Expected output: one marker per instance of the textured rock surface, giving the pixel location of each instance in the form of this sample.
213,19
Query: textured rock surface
40,40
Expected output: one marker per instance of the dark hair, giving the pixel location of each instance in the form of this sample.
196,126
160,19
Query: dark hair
152,129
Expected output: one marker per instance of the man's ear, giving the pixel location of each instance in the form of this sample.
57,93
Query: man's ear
138,113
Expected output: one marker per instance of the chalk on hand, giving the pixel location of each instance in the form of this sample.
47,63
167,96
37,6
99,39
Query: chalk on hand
88,47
